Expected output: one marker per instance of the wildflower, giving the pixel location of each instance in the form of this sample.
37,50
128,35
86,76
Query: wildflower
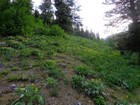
35,82
32,84
36,89
3,88
12,87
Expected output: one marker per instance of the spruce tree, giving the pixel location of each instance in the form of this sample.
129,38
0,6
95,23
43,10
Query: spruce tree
129,9
63,15
46,12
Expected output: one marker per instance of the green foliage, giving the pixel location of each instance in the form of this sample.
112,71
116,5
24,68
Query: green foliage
38,42
106,62
14,69
63,15
52,84
121,102
46,12
82,70
15,44
12,78
66,81
99,100
77,82
55,73
93,88
16,18
3,73
29,95
7,52
39,28
24,53
37,53
25,63
51,53
55,30
49,65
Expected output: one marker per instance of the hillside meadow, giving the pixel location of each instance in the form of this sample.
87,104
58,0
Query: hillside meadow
51,70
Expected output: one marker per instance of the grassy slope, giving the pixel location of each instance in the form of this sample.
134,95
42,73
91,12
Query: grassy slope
107,64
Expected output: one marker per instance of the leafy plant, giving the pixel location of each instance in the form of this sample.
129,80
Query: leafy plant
94,89
7,52
3,73
38,53
52,84
25,63
99,100
77,81
24,53
55,73
66,81
55,30
50,64
15,44
82,70
29,95
51,53
121,102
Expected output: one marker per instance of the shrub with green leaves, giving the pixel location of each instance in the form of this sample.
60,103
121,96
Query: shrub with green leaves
77,82
25,63
55,73
52,84
50,64
39,28
15,44
82,70
29,95
20,38
3,73
51,53
55,30
37,53
24,53
99,100
93,88
7,52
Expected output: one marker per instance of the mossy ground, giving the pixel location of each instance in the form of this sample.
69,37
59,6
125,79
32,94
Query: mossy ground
23,61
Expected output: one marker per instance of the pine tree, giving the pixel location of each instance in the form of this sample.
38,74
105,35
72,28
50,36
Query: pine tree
36,14
63,15
129,9
47,12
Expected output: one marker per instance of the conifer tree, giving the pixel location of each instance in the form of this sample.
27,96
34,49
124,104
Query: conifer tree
46,12
63,15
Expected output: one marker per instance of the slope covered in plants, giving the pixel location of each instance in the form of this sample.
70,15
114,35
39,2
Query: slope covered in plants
65,70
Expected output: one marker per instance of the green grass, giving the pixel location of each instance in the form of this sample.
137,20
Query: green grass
95,54
99,60
109,63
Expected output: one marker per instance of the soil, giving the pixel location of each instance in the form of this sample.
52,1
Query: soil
66,94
